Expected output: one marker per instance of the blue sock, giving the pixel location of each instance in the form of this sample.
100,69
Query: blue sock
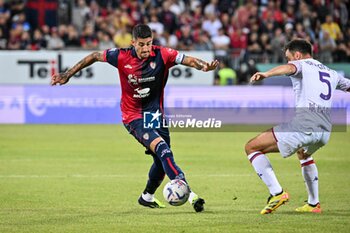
155,176
165,155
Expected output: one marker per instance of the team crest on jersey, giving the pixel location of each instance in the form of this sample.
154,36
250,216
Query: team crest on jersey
146,136
152,65
132,79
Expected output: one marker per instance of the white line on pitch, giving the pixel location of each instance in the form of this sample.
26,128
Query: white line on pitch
107,176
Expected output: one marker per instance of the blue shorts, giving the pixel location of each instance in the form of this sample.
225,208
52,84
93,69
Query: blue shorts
146,135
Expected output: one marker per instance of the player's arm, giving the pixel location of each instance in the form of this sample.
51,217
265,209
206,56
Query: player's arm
63,78
287,69
199,64
343,83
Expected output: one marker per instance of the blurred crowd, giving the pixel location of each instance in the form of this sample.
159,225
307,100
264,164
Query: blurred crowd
242,30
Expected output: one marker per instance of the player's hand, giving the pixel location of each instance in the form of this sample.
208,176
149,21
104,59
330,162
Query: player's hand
60,78
257,77
211,66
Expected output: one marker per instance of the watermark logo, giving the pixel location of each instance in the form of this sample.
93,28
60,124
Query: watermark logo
181,121
151,120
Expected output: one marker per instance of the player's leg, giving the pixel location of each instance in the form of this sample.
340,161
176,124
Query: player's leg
155,177
310,174
256,148
173,171
156,172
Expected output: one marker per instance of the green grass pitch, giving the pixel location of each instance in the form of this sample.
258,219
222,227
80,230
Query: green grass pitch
87,178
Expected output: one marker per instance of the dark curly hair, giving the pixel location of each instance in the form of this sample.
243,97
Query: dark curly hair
300,45
141,31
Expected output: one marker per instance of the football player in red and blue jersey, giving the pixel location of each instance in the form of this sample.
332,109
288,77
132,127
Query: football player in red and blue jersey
143,71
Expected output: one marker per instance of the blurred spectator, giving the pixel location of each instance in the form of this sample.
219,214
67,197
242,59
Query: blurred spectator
3,40
254,47
342,52
154,24
177,7
211,8
226,75
272,13
332,28
304,16
299,31
212,24
226,22
4,11
277,43
121,19
20,19
156,38
186,41
25,41
80,14
320,10
204,43
55,42
291,13
63,33
327,46
221,43
245,71
14,41
4,26
266,47
88,40
38,41
73,37
340,12
168,40
243,13
289,31
105,41
122,39
167,17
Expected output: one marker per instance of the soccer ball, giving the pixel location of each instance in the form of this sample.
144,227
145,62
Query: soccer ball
176,192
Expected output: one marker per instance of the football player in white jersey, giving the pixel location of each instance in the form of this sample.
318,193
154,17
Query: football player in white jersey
313,85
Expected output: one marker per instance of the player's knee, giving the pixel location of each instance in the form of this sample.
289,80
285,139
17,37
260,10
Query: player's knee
162,150
249,147
302,155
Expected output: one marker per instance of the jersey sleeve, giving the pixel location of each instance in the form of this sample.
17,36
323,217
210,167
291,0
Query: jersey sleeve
343,83
297,65
111,56
171,56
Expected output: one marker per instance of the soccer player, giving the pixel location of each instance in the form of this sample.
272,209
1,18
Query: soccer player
309,130
143,71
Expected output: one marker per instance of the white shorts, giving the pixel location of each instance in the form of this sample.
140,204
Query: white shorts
290,139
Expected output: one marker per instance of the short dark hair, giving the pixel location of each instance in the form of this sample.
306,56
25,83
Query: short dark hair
141,31
300,45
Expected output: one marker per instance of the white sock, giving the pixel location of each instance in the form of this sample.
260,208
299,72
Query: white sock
192,195
310,174
264,170
148,197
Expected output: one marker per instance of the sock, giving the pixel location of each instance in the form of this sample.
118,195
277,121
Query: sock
155,176
165,155
310,174
147,197
264,170
191,197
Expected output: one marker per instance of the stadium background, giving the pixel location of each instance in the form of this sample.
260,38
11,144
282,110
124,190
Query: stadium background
75,176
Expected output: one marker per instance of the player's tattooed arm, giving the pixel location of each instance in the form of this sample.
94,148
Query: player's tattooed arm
199,64
63,78
287,69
